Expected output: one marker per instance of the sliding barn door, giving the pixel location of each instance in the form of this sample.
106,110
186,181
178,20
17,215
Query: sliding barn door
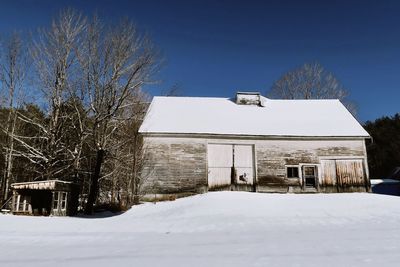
350,172
220,162
229,164
342,173
243,163
328,173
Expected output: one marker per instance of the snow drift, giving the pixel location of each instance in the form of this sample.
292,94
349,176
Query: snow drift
216,229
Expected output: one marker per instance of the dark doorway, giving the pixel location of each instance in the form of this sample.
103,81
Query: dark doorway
309,176
41,202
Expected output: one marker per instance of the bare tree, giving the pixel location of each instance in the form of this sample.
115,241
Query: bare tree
129,154
310,81
117,62
54,54
91,79
13,68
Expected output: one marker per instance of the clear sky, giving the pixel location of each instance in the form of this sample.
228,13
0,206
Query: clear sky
214,48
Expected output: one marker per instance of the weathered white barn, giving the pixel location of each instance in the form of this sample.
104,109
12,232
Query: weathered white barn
253,143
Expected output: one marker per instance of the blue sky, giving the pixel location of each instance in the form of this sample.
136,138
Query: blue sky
214,48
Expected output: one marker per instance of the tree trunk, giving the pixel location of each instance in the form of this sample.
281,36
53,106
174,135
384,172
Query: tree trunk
136,196
9,160
8,157
94,183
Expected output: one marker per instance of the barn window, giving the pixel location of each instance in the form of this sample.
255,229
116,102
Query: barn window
292,171
309,171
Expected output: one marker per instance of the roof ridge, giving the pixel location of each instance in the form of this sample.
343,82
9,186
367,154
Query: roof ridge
228,98
197,97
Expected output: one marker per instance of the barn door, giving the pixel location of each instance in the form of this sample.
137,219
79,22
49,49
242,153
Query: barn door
350,172
342,173
328,173
220,162
243,163
229,164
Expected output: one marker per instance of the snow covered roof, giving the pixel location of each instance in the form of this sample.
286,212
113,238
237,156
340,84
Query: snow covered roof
42,185
204,115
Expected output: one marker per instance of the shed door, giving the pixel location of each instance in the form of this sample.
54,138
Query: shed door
243,163
220,162
350,172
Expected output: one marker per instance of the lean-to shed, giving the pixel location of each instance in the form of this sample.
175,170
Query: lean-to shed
253,143
51,197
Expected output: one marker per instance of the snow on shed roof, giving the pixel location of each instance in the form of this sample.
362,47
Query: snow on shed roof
42,185
204,115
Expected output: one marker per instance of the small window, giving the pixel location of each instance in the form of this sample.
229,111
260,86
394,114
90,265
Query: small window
309,171
55,200
63,200
292,172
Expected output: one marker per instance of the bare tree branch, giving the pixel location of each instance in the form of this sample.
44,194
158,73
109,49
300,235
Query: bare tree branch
117,63
311,81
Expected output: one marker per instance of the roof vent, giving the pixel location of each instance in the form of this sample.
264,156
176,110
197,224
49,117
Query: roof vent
248,98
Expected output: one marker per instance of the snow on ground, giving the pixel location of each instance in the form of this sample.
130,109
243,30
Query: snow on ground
216,229
386,181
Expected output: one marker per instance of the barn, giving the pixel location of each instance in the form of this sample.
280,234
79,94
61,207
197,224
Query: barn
252,143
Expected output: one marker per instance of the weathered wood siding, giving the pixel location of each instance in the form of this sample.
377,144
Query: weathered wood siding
182,164
175,166
273,157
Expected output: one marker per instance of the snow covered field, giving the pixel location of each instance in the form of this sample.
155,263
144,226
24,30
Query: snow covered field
216,229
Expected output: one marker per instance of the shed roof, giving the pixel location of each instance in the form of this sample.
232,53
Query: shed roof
222,116
42,185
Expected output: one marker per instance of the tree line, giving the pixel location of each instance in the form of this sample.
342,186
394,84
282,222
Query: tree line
83,127
384,147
